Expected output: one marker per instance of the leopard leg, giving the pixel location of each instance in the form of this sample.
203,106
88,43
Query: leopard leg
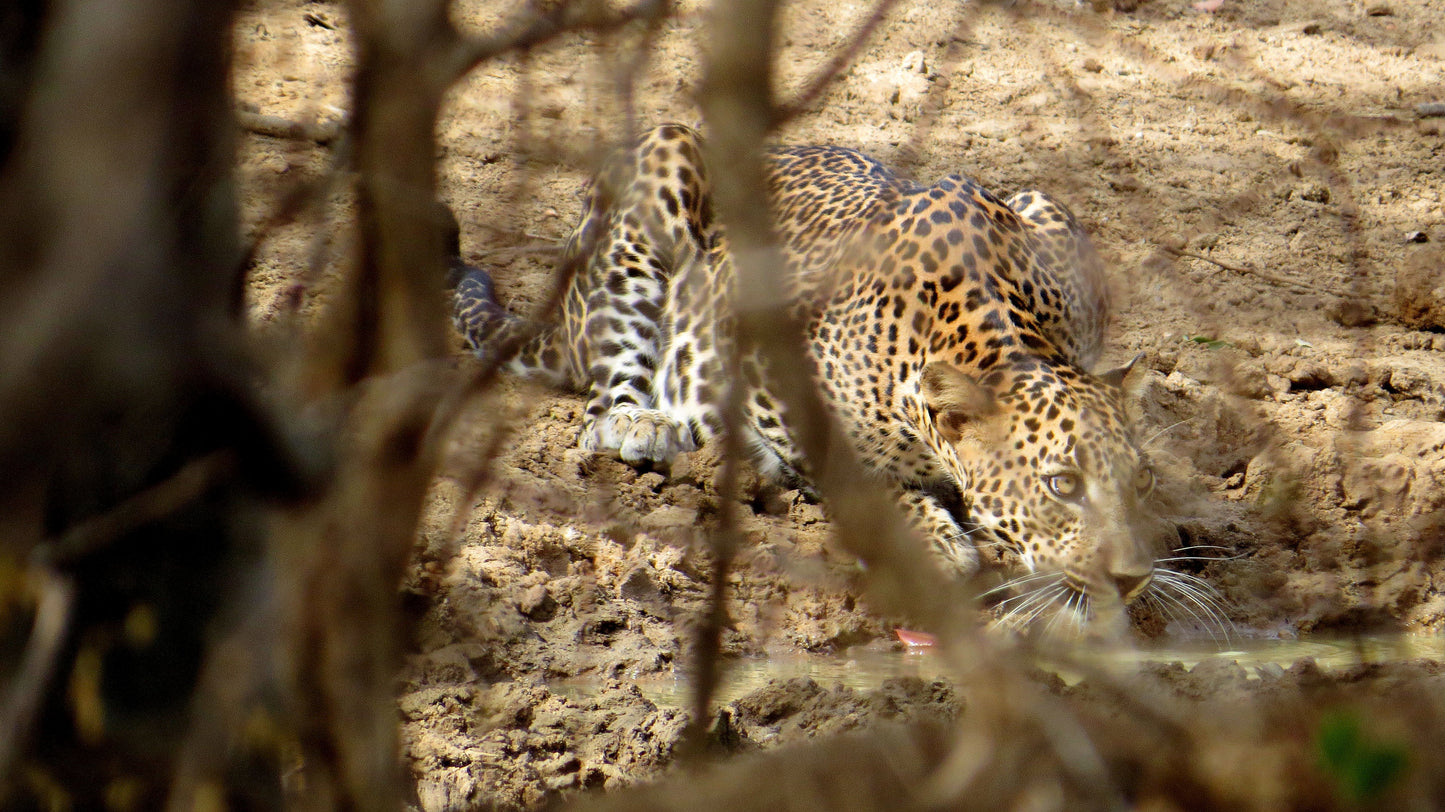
657,226
949,543
623,337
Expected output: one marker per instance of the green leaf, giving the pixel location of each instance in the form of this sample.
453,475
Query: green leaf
1375,770
1209,343
1338,740
1361,769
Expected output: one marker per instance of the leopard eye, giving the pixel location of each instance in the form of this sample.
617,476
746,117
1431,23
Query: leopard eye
1068,487
1144,481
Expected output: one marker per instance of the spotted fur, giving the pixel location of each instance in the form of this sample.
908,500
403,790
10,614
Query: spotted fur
951,332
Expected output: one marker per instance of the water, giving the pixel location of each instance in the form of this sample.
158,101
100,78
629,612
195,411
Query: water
866,669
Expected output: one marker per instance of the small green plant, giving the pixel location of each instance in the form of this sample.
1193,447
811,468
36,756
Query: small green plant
1362,769
1209,343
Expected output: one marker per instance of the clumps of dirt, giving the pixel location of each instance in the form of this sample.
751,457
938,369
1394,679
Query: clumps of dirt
794,710
520,746
579,565
1166,737
1419,293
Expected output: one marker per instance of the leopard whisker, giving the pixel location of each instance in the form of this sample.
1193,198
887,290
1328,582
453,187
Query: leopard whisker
1193,581
1174,601
1053,621
1020,580
1081,614
1199,558
1145,445
1053,595
1203,594
1189,592
1037,600
1023,596
1074,609
965,534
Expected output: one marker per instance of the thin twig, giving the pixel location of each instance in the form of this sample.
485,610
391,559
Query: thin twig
27,691
486,374
321,132
789,110
535,30
1277,280
726,540
150,505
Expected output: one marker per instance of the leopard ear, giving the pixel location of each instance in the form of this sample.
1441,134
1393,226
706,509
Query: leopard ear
953,398
1116,377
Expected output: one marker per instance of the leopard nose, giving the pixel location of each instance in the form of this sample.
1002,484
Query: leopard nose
1130,584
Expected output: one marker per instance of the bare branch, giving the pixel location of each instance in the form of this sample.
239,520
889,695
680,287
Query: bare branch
738,109
321,132
150,505
1276,280
48,634
534,29
837,65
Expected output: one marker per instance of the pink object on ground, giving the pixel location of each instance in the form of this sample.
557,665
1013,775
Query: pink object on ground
920,639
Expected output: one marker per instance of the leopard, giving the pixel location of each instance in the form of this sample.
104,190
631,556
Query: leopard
952,335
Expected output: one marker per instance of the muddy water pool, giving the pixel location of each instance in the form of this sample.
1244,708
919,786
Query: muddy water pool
865,669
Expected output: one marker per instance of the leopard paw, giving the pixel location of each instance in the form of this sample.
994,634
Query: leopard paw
638,435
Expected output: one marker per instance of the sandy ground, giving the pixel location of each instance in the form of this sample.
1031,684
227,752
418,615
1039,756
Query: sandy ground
1269,204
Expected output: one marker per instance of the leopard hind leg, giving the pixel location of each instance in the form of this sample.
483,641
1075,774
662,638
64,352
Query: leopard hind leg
489,329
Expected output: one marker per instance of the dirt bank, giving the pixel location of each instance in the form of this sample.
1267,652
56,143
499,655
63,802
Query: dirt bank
1270,207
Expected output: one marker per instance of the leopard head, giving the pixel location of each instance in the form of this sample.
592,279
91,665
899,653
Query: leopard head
1050,471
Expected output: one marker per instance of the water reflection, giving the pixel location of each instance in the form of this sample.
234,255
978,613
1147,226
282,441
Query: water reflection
865,669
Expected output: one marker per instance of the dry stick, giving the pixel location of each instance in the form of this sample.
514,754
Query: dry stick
452,403
388,321
737,107
151,505
534,30
465,55
840,61
901,579
726,540
1276,280
322,133
482,378
449,409
48,634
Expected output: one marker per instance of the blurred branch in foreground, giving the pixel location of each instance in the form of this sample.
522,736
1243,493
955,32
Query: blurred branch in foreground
139,457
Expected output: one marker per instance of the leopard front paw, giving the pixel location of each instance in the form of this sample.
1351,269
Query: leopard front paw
952,547
956,556
637,435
